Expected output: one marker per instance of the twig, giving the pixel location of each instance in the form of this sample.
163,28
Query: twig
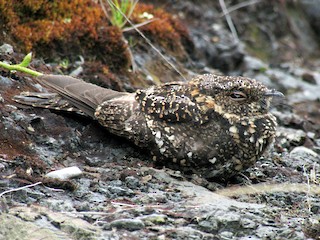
229,20
127,29
54,189
104,9
239,5
20,188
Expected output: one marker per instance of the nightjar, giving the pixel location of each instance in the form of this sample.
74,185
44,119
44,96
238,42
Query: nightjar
213,125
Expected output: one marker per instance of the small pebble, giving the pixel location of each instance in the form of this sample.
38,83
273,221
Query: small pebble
302,152
129,224
65,173
2,167
6,49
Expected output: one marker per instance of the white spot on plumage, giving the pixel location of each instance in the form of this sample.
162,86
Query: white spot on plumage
171,138
167,129
213,160
233,129
158,135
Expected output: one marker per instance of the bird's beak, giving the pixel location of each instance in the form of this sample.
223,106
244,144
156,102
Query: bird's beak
274,93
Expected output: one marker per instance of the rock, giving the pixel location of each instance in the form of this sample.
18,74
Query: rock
190,233
119,191
154,219
128,224
226,235
76,227
312,8
309,77
40,222
266,232
59,204
76,72
2,167
65,173
5,82
283,79
303,158
290,137
208,226
6,49
295,89
252,63
132,182
218,48
303,152
14,228
311,135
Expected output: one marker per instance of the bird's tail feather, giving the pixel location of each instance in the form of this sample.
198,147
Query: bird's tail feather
73,93
45,100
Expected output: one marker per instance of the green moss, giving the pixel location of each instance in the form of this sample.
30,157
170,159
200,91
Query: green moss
260,46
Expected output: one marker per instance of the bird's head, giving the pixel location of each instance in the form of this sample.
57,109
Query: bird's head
237,97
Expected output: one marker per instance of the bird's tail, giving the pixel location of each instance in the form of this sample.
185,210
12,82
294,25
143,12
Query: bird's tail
71,94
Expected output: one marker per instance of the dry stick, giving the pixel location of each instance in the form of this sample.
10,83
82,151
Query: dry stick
240,5
147,40
104,9
20,188
229,20
127,29
309,188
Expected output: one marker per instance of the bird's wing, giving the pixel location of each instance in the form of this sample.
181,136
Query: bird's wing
80,94
173,102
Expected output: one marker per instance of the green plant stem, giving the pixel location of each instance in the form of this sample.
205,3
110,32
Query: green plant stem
17,67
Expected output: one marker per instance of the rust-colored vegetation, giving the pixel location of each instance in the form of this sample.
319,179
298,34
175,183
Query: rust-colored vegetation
167,30
57,30
63,29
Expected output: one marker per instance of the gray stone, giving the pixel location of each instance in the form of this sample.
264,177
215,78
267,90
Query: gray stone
302,157
303,152
290,137
266,232
252,63
128,224
132,182
119,191
6,49
156,219
209,226
5,82
226,235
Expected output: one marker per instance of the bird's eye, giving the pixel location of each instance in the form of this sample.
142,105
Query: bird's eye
238,96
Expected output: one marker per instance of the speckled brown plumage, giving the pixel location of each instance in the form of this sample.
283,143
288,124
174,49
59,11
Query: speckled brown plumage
215,125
